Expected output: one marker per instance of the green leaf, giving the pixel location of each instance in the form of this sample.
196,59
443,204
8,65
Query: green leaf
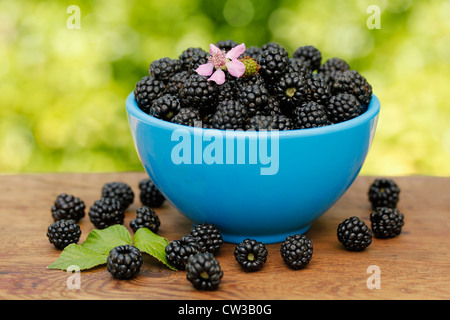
80,256
104,240
153,244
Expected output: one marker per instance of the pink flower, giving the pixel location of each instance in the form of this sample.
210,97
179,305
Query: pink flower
220,61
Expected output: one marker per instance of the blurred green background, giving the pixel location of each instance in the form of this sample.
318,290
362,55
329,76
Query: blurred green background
62,90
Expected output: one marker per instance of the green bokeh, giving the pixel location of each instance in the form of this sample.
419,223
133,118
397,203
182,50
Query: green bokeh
62,91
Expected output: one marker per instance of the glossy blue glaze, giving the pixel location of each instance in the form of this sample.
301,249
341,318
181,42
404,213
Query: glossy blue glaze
313,169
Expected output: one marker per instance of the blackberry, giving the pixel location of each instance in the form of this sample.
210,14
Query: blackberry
310,115
291,89
228,91
352,82
343,107
106,212
119,190
124,262
274,62
226,45
208,237
271,45
297,251
165,107
354,234
197,92
163,69
270,122
230,114
253,52
273,108
68,207
176,81
146,217
178,251
333,66
384,193
310,55
147,90
386,222
203,271
192,58
63,232
253,97
317,89
251,255
149,194
187,117
299,66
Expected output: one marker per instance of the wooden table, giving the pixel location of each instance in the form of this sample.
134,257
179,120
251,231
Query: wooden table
415,265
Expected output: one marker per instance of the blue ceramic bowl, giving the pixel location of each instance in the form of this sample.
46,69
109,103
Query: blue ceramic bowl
260,185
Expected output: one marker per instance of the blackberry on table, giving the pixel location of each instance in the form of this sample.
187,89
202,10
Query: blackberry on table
124,262
297,251
149,194
208,237
253,97
269,122
68,207
119,190
146,217
384,193
310,55
310,115
106,212
203,271
192,58
63,232
163,69
230,114
179,251
352,82
274,62
187,117
343,107
165,107
147,90
251,255
354,234
386,222
197,92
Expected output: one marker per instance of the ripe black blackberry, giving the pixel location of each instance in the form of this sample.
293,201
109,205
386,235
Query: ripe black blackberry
230,114
149,194
199,93
310,55
178,251
208,237
270,122
203,271
226,45
384,193
147,90
273,108
333,66
124,262
253,97
119,190
146,217
317,90
343,107
68,207
192,58
187,117
297,251
386,222
228,91
310,115
63,232
251,255
176,81
299,66
163,69
165,107
354,234
106,212
274,62
291,89
271,45
352,82
253,52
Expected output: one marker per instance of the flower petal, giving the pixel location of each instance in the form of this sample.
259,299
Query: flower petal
236,51
205,69
214,50
218,77
236,68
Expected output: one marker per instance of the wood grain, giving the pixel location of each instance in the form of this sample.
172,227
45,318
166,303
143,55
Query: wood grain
414,265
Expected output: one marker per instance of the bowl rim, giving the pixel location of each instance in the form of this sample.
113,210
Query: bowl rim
372,111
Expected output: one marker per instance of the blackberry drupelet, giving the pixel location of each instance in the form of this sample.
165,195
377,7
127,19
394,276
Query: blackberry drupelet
354,234
251,255
384,193
124,262
270,122
208,237
146,217
63,232
163,69
68,207
274,62
386,222
149,194
291,89
230,114
176,81
352,82
310,55
106,212
203,271
343,107
192,58
199,93
226,45
187,117
165,107
317,90
297,251
119,190
179,251
147,90
253,97
310,115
